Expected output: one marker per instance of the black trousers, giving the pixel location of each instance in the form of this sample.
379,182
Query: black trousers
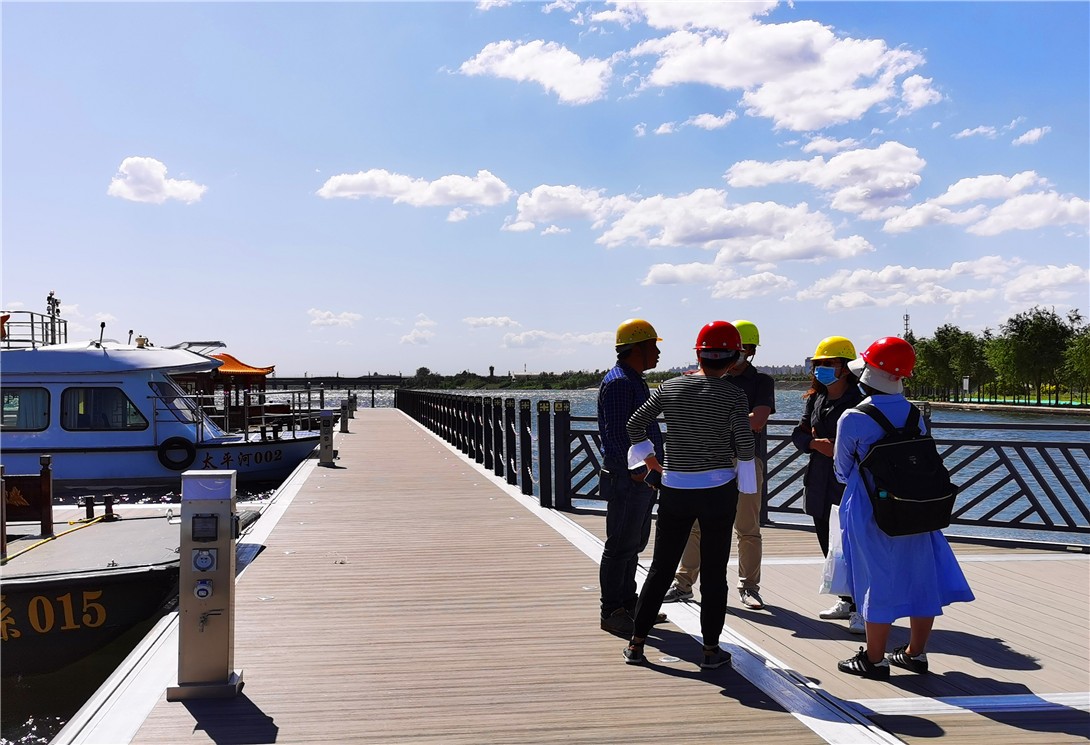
678,508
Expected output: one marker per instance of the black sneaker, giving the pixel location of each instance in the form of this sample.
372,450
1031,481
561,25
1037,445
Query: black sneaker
633,654
917,663
619,623
714,658
862,666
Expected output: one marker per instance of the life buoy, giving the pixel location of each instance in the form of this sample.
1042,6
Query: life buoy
169,448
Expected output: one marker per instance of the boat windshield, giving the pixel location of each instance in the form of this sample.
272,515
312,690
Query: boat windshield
170,398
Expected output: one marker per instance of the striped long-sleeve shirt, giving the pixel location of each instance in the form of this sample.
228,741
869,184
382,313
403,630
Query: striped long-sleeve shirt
707,425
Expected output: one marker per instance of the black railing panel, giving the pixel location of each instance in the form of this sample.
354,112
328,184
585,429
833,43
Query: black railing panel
1007,479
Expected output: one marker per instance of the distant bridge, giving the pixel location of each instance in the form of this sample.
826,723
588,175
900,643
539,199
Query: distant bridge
336,382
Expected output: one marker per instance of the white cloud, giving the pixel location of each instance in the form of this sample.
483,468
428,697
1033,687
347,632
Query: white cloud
329,318
1018,210
537,338
751,286
551,65
686,15
417,337
145,180
903,286
640,129
484,189
828,145
666,128
916,92
422,331
499,322
1047,284
549,203
981,131
1032,136
1030,211
757,231
555,230
486,5
457,215
992,186
800,74
864,182
711,121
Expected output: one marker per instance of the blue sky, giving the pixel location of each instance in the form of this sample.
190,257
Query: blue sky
358,187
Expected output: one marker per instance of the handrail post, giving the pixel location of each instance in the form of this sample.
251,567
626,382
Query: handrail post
486,436
497,434
526,452
562,455
47,495
465,404
509,437
544,455
478,429
762,455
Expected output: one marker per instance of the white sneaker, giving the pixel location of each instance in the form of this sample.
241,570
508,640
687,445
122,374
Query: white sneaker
856,625
841,610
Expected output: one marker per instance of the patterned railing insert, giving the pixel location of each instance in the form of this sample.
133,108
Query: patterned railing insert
1016,477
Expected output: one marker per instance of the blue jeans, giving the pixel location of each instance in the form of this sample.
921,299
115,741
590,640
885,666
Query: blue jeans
628,527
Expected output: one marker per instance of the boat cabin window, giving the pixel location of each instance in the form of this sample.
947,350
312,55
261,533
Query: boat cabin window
99,409
26,409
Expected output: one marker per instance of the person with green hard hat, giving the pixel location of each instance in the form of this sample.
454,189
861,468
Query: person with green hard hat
629,499
760,390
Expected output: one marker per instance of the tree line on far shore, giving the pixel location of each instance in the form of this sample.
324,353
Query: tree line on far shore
1035,357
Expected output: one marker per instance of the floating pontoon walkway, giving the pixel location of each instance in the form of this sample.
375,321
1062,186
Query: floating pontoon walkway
408,596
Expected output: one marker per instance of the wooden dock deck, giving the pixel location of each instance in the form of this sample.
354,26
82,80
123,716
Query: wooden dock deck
408,596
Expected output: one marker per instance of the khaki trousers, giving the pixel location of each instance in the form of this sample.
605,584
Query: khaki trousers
747,527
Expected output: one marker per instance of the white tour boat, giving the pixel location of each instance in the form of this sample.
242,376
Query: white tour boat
112,416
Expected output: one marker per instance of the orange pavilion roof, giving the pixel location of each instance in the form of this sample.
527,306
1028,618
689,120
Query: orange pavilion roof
232,366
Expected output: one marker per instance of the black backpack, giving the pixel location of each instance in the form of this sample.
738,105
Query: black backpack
907,481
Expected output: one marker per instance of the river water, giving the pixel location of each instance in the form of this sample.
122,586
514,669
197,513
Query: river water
35,708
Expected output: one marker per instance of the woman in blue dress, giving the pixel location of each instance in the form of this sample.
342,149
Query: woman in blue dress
891,576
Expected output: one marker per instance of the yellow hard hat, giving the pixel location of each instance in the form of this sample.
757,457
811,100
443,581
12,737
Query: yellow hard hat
834,346
635,330
749,332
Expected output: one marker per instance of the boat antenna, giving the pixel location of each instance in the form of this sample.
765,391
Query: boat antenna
101,331
130,336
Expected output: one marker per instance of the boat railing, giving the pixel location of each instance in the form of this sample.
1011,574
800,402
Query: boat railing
1029,481
255,418
26,329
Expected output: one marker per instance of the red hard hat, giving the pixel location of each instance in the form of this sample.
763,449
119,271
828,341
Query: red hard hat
892,355
719,336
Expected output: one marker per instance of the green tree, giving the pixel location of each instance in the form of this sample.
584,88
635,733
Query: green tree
1035,341
1076,367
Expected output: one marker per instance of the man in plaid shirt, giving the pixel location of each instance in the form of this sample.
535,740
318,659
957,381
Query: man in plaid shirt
629,500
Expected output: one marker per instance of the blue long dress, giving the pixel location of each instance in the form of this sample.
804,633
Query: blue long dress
892,576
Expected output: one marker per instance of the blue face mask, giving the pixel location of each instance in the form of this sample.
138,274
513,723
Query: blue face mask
825,375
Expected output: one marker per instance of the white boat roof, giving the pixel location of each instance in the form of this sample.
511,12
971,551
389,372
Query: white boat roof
91,357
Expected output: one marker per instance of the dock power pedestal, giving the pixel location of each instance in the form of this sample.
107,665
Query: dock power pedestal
206,588
326,453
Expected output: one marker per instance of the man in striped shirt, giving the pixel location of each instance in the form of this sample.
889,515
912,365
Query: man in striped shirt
628,499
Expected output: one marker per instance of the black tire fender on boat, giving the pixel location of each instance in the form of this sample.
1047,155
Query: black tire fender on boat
172,444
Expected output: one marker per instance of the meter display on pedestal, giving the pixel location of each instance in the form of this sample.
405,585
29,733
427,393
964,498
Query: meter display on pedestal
206,604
